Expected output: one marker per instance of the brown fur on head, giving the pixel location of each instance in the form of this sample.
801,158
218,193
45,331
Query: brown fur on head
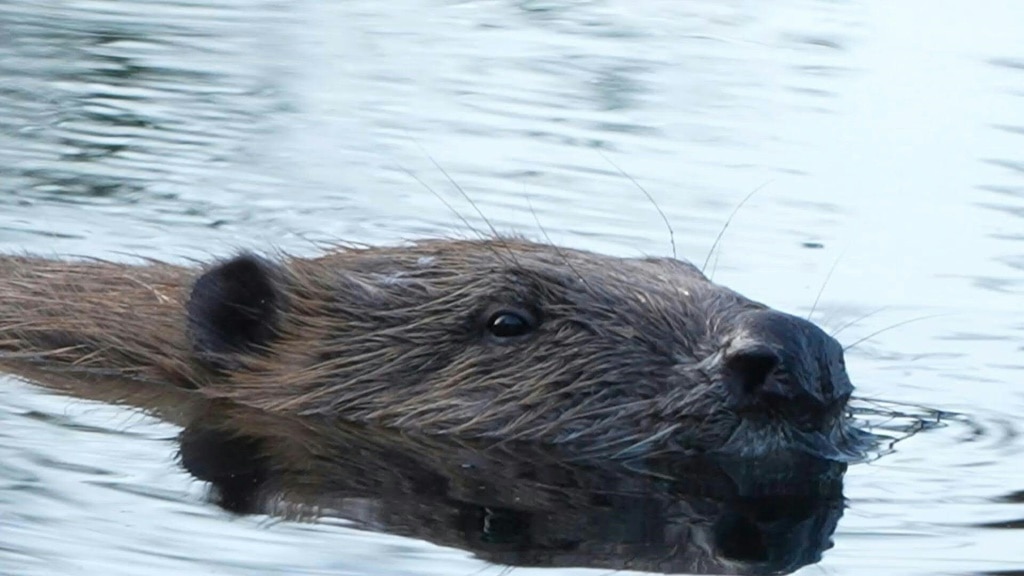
503,339
511,340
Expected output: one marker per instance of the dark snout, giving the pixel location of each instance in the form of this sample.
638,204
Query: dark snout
778,365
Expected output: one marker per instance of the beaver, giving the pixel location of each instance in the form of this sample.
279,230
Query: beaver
503,339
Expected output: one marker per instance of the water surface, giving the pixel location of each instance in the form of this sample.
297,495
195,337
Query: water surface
885,138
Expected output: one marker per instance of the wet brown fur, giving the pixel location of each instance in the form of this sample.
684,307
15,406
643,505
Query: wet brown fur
625,354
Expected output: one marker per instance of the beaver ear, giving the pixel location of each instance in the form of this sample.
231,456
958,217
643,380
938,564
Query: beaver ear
234,307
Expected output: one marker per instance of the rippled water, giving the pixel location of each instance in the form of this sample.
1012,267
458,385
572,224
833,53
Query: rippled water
887,140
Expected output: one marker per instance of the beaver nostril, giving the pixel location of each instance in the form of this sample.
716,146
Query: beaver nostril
749,369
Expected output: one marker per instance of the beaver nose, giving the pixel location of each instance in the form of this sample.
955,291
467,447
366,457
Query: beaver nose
779,362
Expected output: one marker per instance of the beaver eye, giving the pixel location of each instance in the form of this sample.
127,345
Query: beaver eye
509,324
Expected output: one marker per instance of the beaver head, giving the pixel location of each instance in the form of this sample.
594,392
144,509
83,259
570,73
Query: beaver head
520,341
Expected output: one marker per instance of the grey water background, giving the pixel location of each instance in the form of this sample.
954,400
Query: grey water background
887,139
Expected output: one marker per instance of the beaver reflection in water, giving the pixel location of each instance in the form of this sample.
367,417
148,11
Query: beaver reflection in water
500,339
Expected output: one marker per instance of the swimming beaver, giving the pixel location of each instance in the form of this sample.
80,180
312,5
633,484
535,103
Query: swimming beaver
501,339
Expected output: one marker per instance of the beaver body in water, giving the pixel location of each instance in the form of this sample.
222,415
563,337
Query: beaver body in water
502,339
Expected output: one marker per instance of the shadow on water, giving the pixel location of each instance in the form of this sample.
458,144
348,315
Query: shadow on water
522,506
513,505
